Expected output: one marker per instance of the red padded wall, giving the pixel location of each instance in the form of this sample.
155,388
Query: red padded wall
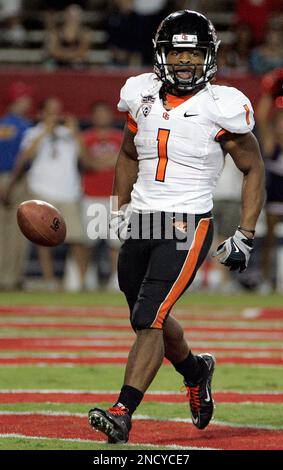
79,90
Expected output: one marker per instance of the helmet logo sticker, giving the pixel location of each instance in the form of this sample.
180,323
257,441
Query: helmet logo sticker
179,38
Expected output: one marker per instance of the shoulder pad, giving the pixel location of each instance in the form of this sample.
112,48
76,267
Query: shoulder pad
135,88
231,109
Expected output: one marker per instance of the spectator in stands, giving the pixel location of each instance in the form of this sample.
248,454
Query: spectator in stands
102,142
256,14
269,55
54,147
13,32
149,16
122,28
10,8
234,57
56,5
13,125
270,126
68,45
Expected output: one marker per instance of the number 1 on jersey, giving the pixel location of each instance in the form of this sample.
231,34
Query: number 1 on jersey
162,138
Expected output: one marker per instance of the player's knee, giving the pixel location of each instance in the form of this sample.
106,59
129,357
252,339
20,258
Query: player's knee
140,320
139,323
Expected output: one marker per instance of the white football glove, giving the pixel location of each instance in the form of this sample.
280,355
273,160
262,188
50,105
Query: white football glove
119,224
237,251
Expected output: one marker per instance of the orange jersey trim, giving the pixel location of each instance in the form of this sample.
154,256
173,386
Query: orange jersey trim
175,101
247,109
219,134
132,125
185,275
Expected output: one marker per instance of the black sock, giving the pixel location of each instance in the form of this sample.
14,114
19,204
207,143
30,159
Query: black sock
130,397
190,368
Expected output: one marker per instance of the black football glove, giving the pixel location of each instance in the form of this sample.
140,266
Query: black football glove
237,251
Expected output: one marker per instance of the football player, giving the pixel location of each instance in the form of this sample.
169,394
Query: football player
180,127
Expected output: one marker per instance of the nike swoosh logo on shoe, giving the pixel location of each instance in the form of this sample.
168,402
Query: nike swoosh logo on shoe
194,420
207,395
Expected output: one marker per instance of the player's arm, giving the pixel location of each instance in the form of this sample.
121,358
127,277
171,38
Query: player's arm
126,171
244,150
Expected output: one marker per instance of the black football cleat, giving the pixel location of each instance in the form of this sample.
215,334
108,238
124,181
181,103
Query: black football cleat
115,423
199,393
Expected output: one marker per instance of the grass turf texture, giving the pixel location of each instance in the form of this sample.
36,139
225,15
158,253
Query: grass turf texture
252,414
57,444
107,377
100,299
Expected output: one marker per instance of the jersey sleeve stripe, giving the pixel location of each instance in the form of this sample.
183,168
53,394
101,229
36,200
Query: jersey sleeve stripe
247,109
219,134
186,273
132,125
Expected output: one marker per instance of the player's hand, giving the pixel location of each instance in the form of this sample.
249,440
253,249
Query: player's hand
237,251
119,225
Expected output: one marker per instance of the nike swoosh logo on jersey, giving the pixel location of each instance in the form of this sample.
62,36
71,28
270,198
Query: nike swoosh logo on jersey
186,114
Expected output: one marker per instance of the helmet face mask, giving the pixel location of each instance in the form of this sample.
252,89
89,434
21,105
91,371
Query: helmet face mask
185,30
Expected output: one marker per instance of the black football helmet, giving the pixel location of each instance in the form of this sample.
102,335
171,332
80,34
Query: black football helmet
185,29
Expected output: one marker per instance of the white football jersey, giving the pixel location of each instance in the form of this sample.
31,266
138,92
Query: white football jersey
179,159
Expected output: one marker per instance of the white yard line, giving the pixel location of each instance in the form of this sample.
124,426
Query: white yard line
153,446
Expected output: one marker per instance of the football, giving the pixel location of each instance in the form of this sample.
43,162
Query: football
41,223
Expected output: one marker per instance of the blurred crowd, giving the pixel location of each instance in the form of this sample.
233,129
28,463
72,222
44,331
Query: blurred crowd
250,30
71,164
54,160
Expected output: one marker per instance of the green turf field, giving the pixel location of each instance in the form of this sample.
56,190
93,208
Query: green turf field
108,377
103,298
229,377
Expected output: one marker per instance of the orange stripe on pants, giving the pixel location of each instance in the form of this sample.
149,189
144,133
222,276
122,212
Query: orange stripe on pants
185,274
